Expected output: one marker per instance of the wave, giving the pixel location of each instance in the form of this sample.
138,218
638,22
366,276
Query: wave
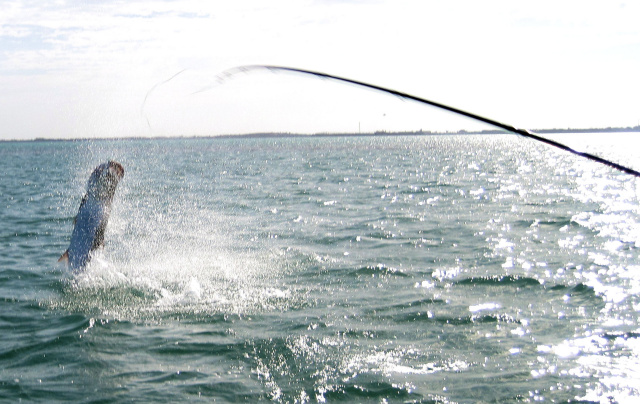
333,369
440,320
499,280
580,294
553,224
378,270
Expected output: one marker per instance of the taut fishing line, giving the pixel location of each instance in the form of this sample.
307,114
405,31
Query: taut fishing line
522,132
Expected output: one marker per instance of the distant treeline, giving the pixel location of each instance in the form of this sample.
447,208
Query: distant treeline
572,130
502,131
593,130
377,133
426,132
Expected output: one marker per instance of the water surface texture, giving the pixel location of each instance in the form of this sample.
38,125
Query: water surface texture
444,269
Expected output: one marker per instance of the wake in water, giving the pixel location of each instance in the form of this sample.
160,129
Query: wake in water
173,257
177,277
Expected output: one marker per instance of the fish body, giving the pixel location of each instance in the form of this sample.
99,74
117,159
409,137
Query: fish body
93,215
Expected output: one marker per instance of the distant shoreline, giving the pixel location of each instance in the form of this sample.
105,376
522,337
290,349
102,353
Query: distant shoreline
338,134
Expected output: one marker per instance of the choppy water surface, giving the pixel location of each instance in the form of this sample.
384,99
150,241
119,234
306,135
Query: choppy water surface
399,269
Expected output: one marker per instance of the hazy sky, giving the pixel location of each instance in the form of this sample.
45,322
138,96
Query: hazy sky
74,68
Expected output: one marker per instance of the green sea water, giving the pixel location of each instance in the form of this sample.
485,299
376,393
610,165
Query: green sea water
442,269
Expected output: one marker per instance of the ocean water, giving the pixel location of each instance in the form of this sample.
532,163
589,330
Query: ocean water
435,269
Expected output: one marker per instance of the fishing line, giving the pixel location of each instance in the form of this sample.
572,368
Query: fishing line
522,132
144,102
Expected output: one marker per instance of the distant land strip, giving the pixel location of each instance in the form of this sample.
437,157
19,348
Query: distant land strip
340,134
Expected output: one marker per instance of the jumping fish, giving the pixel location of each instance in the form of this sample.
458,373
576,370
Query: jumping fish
91,221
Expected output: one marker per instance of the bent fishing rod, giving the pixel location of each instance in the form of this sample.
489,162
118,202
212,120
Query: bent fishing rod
522,132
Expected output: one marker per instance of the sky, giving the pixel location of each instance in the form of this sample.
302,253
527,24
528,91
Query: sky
102,68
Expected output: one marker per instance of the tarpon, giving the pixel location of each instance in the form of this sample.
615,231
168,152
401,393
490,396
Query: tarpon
91,221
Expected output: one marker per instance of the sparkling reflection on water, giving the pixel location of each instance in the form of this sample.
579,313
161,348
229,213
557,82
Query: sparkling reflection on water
442,269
